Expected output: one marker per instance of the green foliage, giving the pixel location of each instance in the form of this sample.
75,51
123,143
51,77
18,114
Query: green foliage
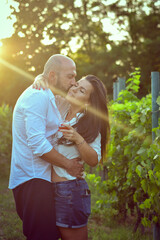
141,44
133,164
5,138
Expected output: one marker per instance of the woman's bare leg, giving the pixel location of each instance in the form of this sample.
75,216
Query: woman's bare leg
74,233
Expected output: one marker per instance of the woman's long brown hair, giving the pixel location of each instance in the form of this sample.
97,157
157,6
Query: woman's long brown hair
91,124
94,122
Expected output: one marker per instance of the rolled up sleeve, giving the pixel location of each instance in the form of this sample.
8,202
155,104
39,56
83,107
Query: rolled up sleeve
35,113
96,145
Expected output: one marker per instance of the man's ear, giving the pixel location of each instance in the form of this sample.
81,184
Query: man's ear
52,78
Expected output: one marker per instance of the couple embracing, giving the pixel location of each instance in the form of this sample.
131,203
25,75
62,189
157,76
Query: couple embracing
53,137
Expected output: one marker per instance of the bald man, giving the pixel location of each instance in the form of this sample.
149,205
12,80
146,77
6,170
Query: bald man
35,121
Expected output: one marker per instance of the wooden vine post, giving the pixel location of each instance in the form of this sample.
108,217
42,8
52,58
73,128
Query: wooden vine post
155,89
118,86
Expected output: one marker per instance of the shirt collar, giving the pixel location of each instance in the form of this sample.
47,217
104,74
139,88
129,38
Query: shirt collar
74,120
51,95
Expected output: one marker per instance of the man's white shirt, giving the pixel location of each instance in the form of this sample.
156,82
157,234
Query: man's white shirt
35,120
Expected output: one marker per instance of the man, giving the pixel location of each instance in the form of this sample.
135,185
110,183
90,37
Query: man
35,119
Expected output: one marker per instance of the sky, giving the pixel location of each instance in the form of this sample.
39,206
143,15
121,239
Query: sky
6,25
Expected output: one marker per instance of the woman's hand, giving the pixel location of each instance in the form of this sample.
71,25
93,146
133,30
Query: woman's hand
70,133
87,153
38,84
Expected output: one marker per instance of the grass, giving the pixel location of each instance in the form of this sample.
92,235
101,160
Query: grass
10,224
100,228
100,231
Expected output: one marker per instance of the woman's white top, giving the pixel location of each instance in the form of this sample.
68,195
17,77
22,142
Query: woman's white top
71,152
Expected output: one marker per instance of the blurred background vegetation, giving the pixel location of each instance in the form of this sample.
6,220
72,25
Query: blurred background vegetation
108,38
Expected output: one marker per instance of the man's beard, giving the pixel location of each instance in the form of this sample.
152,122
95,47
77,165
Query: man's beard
60,87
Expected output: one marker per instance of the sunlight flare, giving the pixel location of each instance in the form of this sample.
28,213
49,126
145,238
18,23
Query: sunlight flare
56,91
16,69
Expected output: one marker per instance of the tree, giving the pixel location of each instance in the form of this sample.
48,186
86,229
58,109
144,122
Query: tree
79,24
61,22
141,46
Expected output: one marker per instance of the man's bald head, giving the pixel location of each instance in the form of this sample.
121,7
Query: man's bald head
60,72
56,63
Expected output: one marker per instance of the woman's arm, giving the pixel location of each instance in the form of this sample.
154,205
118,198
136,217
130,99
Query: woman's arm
39,83
87,153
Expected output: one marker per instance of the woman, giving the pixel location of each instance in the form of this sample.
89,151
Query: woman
86,136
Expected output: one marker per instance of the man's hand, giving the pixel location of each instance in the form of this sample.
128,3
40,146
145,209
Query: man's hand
75,168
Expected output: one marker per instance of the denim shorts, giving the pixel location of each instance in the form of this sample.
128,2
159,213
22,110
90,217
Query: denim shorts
72,203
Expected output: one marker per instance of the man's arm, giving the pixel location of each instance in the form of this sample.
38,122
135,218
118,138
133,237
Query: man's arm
35,124
73,167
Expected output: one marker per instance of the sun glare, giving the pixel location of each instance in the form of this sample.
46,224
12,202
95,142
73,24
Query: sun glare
1,48
30,77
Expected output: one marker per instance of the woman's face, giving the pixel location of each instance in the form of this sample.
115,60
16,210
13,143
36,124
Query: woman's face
81,92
